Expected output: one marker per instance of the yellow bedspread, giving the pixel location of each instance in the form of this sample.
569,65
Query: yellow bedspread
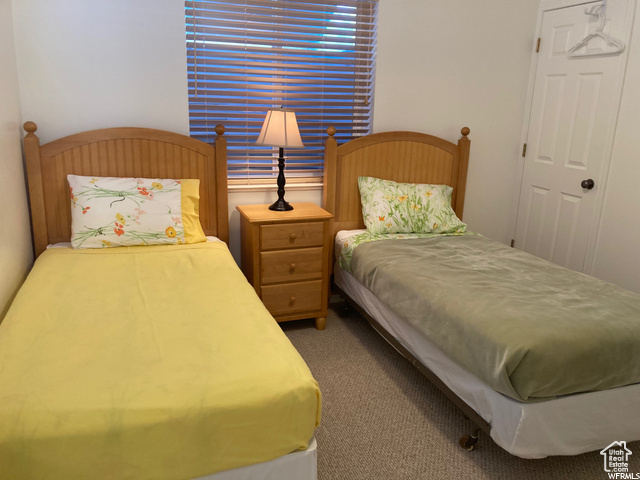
146,363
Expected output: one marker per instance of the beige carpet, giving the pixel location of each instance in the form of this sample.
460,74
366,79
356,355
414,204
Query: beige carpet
383,420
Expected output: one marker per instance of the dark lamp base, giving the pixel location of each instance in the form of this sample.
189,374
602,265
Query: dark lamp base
280,205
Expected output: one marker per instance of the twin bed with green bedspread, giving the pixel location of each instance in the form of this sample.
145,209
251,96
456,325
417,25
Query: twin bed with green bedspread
544,359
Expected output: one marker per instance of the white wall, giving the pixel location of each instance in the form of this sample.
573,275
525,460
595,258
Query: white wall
15,241
617,257
87,65
446,64
442,64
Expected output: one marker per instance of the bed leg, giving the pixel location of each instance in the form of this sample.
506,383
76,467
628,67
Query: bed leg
321,323
468,442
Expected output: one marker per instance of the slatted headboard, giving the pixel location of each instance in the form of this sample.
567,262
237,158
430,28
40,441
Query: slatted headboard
121,152
399,156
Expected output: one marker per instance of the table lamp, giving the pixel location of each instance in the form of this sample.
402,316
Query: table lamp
280,129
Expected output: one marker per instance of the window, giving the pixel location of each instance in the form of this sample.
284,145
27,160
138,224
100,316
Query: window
315,57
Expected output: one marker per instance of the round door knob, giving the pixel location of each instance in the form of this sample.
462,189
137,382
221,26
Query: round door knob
588,183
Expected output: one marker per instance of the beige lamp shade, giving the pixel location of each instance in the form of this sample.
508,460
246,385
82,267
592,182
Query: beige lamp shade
280,129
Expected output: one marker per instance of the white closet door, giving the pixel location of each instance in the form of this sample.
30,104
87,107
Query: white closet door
574,106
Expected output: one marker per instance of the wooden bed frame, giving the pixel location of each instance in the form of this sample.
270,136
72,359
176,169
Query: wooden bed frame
121,152
402,157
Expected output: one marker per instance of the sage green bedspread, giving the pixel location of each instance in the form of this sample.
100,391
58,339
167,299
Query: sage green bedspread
528,328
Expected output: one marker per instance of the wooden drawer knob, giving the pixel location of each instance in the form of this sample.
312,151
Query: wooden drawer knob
292,267
292,300
293,236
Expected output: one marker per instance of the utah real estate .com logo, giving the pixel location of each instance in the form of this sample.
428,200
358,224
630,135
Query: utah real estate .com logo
616,461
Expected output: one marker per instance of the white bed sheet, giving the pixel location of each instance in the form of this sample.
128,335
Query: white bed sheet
301,465
563,426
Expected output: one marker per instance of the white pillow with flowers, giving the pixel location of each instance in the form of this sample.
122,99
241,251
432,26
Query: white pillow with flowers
392,207
116,212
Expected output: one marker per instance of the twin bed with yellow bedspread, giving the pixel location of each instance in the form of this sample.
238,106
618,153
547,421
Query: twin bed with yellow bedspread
147,361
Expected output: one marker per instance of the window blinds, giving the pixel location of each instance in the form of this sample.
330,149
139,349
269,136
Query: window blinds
315,57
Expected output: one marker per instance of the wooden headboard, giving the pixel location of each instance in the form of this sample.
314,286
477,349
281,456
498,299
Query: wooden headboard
121,152
399,156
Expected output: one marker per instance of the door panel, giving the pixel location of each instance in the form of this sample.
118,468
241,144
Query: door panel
538,199
565,229
550,110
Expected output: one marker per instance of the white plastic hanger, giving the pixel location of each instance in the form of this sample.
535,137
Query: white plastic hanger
600,12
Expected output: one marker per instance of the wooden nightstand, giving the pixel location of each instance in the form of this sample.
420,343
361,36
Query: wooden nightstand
286,256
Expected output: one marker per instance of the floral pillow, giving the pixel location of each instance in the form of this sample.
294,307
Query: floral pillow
115,212
391,207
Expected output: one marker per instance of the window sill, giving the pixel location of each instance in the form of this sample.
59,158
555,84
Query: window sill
272,188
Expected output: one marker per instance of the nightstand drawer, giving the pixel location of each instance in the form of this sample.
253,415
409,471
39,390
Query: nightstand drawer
291,265
290,235
292,297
